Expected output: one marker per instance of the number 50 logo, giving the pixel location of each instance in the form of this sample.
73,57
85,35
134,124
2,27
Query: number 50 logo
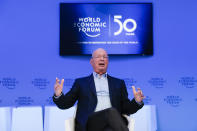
124,25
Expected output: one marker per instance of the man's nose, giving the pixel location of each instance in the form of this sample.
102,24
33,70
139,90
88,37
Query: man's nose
102,57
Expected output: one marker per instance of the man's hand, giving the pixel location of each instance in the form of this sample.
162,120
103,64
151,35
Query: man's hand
58,87
138,94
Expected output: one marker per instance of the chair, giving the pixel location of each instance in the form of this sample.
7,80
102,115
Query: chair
54,118
143,120
27,119
131,121
70,123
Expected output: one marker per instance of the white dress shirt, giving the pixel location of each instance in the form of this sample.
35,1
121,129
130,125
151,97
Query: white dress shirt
102,92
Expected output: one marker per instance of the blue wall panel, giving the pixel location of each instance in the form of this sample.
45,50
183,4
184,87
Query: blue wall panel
30,61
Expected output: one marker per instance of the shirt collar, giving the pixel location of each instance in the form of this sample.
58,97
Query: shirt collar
99,76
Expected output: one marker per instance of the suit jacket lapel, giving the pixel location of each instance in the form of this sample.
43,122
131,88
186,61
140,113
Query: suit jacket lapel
92,84
110,84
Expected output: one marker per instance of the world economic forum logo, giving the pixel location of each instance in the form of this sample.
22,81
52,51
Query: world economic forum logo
24,100
9,82
188,81
90,26
93,26
41,83
172,100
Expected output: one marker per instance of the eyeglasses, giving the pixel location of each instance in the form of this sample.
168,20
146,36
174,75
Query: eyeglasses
99,57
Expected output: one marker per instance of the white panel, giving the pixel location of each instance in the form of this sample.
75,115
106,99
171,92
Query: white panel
27,119
5,119
55,118
145,119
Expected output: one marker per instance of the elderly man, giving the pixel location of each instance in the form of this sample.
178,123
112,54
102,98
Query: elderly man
102,99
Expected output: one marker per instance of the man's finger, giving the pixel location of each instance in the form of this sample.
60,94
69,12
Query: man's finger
134,91
142,95
62,82
138,89
141,92
57,80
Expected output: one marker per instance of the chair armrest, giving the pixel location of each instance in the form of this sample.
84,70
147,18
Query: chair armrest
131,122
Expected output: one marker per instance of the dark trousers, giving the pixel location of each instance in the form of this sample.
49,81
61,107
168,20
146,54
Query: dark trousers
106,120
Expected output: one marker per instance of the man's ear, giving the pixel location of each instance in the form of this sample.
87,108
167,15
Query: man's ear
91,61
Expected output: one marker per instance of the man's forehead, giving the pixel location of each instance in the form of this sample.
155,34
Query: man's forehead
99,51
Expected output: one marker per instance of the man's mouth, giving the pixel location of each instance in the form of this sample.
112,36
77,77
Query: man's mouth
101,64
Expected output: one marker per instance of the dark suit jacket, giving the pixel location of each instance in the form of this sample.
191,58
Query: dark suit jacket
84,91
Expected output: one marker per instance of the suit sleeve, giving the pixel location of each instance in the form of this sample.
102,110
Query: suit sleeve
68,100
128,107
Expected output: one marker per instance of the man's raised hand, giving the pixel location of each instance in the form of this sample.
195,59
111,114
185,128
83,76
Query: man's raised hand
138,94
58,87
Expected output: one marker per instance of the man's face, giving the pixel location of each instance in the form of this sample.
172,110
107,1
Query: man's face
99,61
